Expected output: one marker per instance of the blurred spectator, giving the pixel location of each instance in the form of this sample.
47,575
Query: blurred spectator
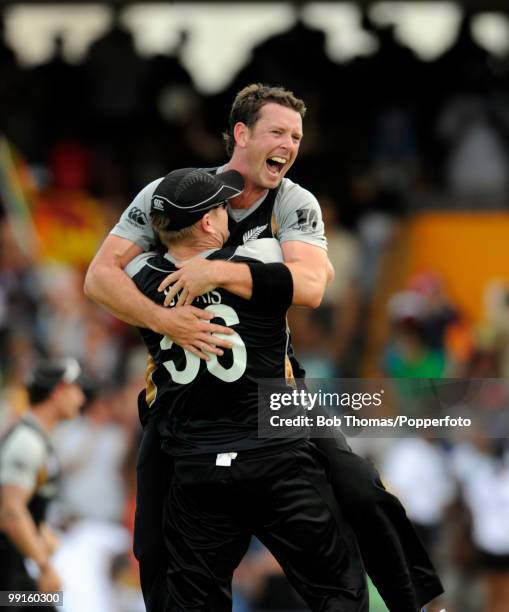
375,230
465,66
395,163
439,311
59,99
415,470
408,356
15,94
324,337
92,501
341,301
483,473
85,560
295,57
61,311
92,451
115,74
18,302
478,159
493,332
394,69
429,339
66,324
310,341
114,78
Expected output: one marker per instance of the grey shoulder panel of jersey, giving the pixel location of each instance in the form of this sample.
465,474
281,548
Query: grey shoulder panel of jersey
22,454
136,264
266,250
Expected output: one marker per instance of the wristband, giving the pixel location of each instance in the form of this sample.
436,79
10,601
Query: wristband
272,285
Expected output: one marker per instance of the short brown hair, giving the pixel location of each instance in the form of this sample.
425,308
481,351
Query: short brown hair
169,237
248,102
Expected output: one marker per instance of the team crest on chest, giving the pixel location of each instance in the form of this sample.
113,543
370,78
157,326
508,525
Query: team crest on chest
254,233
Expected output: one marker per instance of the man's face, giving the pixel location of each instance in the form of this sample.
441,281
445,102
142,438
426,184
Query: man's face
69,398
272,144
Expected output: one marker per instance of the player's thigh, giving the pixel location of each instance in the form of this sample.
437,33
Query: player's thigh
355,481
205,542
308,536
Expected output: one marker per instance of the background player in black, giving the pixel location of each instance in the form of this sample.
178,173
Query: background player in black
264,131
28,478
228,482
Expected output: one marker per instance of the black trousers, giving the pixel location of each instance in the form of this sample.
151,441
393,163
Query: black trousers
281,496
392,553
154,472
394,557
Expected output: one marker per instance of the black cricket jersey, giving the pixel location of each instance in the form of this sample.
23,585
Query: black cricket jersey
257,224
212,406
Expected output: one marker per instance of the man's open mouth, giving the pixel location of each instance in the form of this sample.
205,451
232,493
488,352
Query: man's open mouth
275,165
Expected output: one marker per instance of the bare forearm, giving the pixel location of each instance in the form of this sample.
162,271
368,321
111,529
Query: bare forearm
235,278
49,537
19,526
308,265
308,283
112,288
109,285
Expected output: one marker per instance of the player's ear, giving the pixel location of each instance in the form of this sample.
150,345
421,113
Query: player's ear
205,223
240,133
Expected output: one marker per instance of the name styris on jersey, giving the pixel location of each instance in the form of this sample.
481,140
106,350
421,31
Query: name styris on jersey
212,297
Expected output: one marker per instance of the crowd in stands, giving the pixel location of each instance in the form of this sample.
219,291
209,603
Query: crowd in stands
386,135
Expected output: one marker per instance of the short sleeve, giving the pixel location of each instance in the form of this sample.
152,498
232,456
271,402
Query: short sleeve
298,215
134,224
138,263
22,456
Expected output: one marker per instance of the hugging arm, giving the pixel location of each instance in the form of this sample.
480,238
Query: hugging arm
107,284
308,265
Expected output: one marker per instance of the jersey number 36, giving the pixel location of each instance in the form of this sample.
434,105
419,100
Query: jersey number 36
192,367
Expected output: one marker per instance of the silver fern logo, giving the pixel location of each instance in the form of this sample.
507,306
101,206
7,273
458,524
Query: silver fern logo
253,234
